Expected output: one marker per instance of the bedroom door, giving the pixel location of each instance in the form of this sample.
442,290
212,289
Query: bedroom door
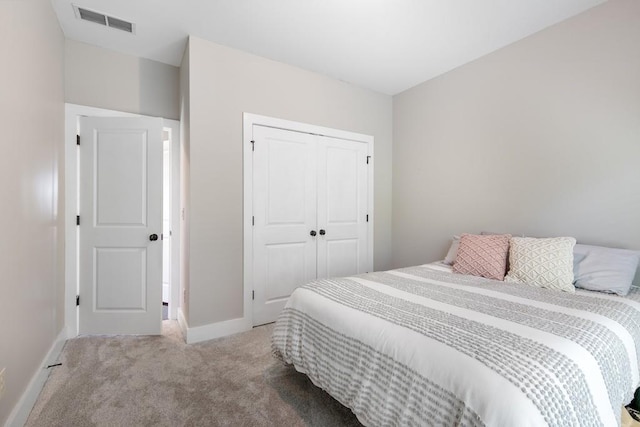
120,260
310,196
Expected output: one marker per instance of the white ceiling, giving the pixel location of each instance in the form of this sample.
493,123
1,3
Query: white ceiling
384,45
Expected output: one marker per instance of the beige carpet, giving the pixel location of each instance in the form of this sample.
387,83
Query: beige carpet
161,381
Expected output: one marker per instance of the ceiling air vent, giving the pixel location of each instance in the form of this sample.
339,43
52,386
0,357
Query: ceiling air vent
120,24
102,19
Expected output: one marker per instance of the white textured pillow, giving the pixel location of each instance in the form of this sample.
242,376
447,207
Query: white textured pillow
546,263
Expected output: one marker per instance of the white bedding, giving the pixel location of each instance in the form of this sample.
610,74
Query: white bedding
423,346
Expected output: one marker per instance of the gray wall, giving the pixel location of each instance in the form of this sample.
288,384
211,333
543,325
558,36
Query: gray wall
103,78
224,83
31,177
541,137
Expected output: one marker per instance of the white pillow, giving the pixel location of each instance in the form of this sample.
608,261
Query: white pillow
597,268
546,263
453,250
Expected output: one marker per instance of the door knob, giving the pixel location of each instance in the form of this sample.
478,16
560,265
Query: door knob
322,232
313,233
153,237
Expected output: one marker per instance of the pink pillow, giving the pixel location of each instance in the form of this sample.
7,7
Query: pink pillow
484,256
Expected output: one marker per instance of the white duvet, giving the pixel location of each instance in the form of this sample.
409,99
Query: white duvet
423,346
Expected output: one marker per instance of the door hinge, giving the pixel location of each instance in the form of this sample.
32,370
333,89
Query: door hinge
368,157
77,300
253,295
253,145
77,219
253,220
77,139
367,217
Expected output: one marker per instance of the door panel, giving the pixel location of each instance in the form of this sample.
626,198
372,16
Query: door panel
342,207
341,184
120,279
343,257
286,182
286,269
125,153
120,207
284,190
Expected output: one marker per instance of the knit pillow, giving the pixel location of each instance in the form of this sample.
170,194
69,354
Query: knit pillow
484,256
546,263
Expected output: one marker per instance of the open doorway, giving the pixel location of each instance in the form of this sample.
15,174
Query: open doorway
170,209
166,222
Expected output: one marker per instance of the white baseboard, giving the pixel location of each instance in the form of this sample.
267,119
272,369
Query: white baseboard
21,411
212,330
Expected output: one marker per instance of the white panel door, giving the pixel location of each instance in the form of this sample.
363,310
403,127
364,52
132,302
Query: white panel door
342,207
284,205
120,260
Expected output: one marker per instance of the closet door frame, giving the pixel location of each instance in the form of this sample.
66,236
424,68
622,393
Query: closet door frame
249,120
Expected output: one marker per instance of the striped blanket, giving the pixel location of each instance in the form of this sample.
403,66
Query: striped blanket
422,346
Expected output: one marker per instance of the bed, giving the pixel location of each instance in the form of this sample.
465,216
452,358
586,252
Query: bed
424,346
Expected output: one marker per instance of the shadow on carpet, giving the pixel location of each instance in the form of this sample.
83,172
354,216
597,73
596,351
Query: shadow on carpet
313,405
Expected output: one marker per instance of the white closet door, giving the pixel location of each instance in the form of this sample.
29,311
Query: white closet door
284,206
342,207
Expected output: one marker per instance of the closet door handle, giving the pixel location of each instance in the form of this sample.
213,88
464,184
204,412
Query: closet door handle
313,233
322,232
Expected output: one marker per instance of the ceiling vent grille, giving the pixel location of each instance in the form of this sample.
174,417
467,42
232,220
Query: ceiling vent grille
102,19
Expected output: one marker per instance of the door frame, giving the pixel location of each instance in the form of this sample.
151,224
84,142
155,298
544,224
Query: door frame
248,121
71,193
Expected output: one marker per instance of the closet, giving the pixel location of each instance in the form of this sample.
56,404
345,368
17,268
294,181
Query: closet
310,214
